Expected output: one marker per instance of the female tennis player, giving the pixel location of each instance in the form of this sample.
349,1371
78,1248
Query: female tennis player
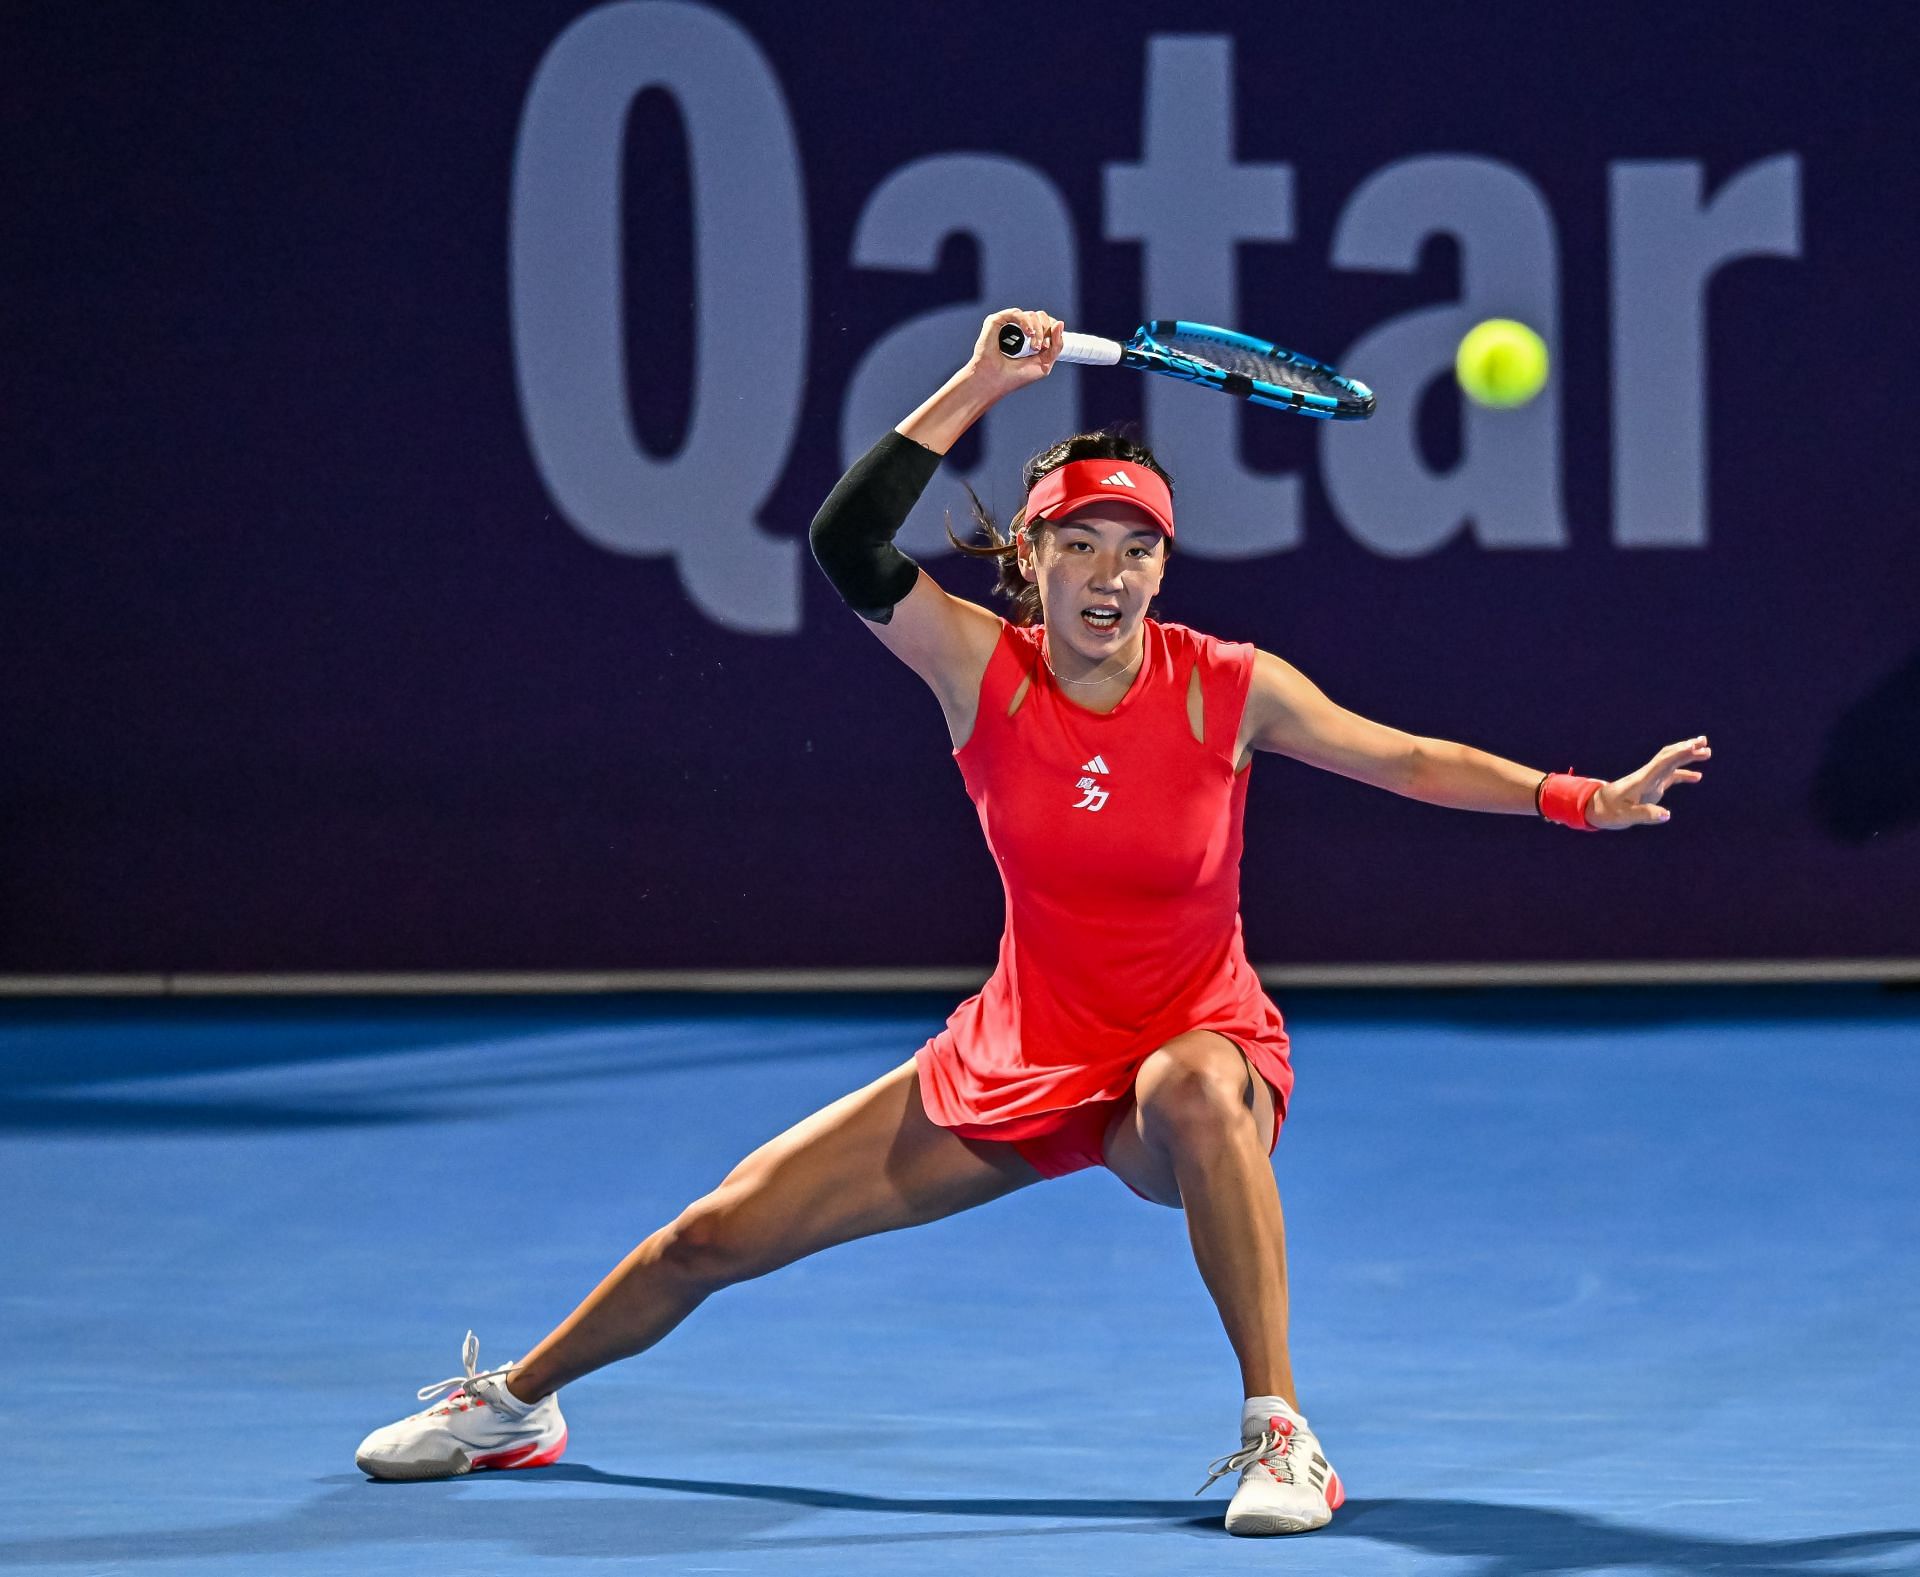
1107,753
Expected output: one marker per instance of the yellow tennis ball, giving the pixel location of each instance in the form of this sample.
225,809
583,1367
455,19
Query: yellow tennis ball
1501,363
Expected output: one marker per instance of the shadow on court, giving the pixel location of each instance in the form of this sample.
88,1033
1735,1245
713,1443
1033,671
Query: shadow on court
61,1040
692,1516
344,1065
1602,1009
361,1076
113,1114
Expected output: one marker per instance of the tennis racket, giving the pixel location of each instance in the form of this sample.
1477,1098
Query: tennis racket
1218,359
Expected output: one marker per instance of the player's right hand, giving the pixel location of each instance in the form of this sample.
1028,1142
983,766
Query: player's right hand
1002,374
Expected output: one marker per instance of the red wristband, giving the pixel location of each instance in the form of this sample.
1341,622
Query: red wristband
1564,798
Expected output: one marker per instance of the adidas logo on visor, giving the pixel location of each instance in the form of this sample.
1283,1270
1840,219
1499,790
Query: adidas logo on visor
1118,479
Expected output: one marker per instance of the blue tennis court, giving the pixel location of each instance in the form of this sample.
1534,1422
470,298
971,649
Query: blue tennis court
1622,1282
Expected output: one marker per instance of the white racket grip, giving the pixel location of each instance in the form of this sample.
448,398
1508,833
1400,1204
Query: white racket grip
1086,350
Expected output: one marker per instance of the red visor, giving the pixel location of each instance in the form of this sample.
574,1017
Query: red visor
1079,483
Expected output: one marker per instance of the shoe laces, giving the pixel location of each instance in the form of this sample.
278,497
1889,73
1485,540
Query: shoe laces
460,1387
1278,1437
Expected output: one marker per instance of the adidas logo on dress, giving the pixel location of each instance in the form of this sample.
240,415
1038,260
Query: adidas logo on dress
1118,479
1093,796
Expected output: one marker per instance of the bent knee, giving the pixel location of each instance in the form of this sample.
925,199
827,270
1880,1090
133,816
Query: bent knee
709,1245
1193,1088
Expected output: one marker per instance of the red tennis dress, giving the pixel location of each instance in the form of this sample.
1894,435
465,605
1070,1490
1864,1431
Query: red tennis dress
1118,839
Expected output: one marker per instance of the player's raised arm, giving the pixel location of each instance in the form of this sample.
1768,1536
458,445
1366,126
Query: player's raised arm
1287,713
946,640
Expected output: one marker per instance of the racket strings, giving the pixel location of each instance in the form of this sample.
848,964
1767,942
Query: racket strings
1283,368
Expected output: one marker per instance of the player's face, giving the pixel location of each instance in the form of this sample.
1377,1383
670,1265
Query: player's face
1097,570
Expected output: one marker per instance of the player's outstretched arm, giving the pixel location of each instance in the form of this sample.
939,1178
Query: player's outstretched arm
946,640
1288,714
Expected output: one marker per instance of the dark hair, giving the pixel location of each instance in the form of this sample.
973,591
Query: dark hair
1106,443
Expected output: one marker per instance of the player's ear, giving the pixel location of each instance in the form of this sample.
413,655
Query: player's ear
1027,551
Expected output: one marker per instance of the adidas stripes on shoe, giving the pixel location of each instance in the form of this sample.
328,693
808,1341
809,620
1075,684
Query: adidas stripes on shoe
1286,1482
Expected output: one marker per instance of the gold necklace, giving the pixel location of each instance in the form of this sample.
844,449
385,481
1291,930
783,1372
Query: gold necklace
1103,679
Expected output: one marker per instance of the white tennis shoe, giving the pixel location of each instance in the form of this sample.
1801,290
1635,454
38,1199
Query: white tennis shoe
476,1423
1286,1482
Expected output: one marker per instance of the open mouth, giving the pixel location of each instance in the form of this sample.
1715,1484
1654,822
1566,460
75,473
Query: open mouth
1101,619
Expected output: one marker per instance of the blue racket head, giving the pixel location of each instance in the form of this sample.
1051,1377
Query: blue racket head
1253,369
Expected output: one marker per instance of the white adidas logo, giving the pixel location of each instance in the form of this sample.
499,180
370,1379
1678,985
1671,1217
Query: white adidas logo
1092,795
1118,479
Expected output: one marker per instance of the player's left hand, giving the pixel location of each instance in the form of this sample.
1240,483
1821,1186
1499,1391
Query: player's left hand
1634,800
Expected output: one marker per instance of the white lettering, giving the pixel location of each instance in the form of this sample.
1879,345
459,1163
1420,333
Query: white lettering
1507,484
699,506
1024,236
1189,201
1666,245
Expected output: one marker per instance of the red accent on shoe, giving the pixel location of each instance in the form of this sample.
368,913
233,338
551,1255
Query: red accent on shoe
1336,1491
533,1455
1284,1428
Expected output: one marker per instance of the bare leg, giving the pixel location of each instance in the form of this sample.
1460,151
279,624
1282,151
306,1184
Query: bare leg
871,1162
1196,1136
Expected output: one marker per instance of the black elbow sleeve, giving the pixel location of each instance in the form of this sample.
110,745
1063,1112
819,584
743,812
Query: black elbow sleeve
852,536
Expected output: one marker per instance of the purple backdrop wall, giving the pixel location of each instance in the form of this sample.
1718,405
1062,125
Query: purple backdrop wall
413,417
